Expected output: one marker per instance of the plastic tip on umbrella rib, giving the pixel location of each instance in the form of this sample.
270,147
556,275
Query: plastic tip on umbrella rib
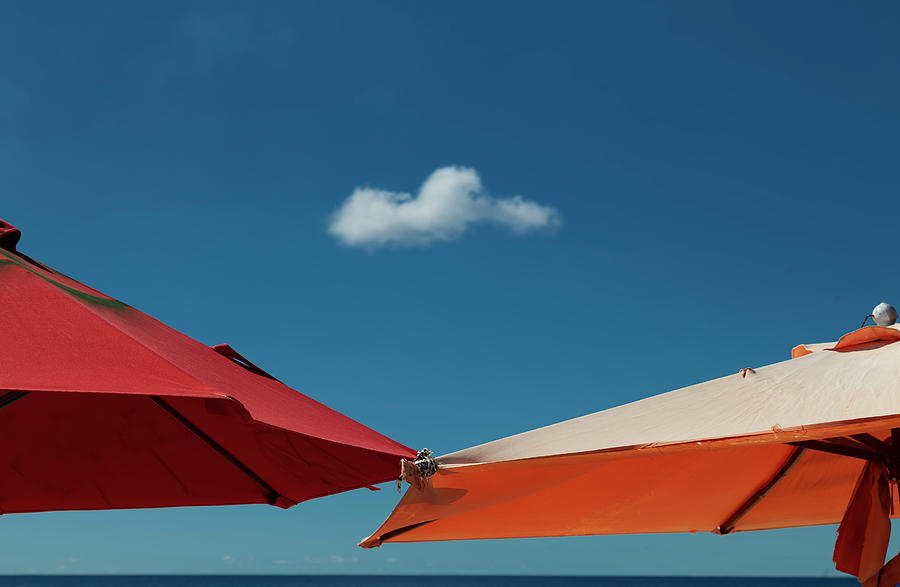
370,542
417,472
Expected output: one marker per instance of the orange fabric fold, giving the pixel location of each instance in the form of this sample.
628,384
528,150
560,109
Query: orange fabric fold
890,574
865,530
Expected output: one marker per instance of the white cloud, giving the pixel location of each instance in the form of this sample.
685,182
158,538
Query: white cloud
451,199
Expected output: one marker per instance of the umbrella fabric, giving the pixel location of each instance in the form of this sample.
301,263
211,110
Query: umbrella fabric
102,406
778,446
866,528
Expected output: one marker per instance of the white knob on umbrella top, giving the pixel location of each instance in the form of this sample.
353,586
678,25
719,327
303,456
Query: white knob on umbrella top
884,314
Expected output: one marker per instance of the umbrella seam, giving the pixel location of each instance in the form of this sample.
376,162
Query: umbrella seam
769,437
201,384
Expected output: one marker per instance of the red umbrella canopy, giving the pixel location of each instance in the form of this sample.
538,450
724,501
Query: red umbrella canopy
102,406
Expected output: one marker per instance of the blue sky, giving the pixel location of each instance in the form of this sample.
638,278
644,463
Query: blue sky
719,181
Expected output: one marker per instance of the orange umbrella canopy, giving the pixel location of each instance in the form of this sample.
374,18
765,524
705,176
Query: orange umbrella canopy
784,445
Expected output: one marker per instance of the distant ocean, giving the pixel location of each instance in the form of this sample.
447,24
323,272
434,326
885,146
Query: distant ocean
405,581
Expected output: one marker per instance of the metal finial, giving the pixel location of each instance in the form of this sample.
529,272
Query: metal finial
884,314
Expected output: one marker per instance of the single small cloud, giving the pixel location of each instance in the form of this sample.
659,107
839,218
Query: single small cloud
451,199
228,558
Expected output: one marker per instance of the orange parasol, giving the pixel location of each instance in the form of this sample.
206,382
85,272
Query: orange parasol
808,441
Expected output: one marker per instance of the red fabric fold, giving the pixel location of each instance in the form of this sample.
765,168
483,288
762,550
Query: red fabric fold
865,529
9,236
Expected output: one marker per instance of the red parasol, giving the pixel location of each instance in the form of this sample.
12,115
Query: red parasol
102,406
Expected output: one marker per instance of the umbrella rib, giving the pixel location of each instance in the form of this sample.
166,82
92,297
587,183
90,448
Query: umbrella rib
845,441
376,541
869,449
728,525
879,446
12,396
839,449
271,494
